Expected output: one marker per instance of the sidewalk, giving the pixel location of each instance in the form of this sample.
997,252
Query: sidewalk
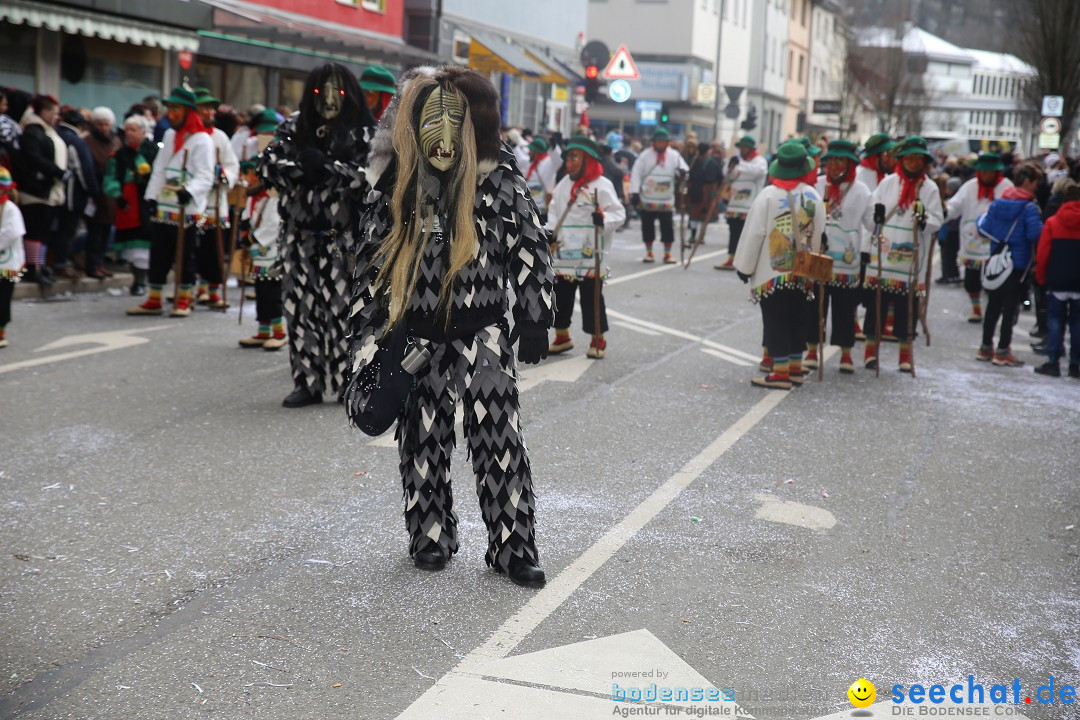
84,284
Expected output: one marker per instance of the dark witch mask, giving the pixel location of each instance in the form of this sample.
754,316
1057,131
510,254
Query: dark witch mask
329,98
439,128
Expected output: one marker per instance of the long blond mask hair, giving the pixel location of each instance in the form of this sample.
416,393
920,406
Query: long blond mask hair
400,253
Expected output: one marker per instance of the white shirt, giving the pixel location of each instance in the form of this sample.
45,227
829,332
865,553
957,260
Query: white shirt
654,180
967,206
12,230
196,176
576,235
747,179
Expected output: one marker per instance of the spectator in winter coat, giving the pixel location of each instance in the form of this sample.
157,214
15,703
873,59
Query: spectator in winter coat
703,182
82,187
1013,220
42,175
103,142
1057,268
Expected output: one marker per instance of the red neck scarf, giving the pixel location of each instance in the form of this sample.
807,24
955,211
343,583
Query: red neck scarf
749,156
987,190
591,171
909,188
660,156
833,187
193,124
536,161
384,101
872,163
787,184
1015,193
810,178
253,201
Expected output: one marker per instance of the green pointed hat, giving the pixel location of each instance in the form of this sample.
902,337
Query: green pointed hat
747,141
989,161
586,145
914,145
841,149
791,162
180,95
204,97
877,144
376,78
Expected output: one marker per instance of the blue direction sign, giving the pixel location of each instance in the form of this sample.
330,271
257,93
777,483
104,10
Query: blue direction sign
649,105
619,90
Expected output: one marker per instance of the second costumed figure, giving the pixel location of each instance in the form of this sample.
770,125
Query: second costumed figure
450,226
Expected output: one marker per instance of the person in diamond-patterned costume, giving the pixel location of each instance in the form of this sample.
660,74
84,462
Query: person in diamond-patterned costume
315,164
450,224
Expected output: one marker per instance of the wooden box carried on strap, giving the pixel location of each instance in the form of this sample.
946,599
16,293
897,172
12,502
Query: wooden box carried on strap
812,266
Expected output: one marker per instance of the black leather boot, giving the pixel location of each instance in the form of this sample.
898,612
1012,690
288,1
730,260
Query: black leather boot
301,397
526,573
430,557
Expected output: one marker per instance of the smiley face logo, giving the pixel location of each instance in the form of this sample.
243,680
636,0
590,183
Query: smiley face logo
862,693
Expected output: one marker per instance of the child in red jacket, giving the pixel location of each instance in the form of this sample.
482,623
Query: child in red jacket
1057,268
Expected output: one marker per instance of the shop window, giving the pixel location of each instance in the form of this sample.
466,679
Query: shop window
374,5
245,85
291,90
116,75
17,52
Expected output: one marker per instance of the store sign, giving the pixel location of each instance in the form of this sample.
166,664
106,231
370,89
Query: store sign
826,107
185,58
664,81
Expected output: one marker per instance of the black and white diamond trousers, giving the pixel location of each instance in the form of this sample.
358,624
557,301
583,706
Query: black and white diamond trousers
315,288
479,371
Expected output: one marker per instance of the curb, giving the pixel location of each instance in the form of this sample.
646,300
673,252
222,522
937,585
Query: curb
24,290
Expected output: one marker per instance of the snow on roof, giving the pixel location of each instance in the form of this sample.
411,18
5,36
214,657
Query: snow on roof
916,41
1000,62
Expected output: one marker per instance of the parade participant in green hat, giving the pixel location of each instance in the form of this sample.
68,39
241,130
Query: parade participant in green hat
746,177
850,216
903,194
540,174
652,191
259,227
787,216
970,201
878,160
378,86
574,248
210,258
180,185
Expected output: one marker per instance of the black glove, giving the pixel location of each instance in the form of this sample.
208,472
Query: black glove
879,214
253,190
598,219
183,196
121,203
311,162
743,276
733,163
824,242
635,200
532,344
151,207
864,259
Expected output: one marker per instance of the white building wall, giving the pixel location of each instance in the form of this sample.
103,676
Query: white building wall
736,46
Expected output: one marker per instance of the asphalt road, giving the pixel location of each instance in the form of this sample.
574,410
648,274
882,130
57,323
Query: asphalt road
177,545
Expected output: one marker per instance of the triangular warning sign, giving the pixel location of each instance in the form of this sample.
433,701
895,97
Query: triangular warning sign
622,66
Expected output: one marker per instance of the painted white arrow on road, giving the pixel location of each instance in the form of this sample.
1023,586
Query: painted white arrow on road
567,371
572,682
105,342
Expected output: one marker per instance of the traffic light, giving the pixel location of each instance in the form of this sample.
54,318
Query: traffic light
665,112
592,83
751,119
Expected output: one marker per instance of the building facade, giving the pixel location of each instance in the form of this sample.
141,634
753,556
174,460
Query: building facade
798,62
768,70
684,81
530,54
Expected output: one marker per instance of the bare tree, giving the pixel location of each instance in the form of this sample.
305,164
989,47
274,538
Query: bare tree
893,80
1047,32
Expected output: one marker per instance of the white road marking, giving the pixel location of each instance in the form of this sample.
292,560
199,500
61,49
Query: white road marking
106,342
776,510
661,268
572,681
889,709
729,358
542,604
685,336
635,328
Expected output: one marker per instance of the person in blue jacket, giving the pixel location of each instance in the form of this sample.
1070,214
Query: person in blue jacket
1014,218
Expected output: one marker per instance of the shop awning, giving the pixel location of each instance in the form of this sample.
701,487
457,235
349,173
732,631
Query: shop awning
280,29
491,53
92,24
552,72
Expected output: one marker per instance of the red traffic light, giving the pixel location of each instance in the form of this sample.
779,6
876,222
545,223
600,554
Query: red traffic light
592,72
